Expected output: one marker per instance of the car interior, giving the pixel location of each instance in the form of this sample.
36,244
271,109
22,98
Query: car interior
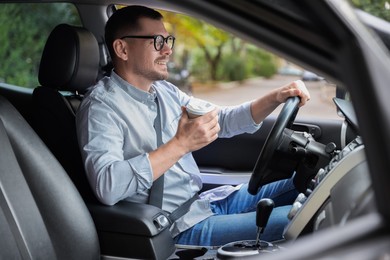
47,207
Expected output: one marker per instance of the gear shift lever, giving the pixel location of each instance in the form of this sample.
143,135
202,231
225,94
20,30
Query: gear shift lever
263,212
252,247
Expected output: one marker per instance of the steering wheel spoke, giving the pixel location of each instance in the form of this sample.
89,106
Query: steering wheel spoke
262,173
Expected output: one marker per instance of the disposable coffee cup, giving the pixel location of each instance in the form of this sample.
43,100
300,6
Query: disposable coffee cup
197,107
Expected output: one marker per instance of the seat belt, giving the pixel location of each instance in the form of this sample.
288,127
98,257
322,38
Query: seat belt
183,209
157,189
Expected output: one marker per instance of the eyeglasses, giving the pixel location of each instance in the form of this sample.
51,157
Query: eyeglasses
159,40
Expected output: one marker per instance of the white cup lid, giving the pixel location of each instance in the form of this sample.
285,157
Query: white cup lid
199,107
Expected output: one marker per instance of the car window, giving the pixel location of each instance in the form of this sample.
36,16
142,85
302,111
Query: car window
23,33
214,65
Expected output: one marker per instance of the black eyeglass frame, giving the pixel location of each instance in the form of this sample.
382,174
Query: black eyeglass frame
154,37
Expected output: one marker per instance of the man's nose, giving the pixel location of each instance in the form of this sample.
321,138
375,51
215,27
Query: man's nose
166,50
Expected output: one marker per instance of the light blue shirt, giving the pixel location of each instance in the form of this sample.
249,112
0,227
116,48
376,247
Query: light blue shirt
115,132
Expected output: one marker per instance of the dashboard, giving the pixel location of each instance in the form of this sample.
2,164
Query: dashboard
339,191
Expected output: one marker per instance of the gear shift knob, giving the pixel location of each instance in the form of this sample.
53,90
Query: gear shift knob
263,211
251,247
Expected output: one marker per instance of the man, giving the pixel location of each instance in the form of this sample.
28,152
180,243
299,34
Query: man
124,153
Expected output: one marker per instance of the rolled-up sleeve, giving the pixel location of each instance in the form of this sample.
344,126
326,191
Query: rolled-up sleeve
111,176
237,120
121,179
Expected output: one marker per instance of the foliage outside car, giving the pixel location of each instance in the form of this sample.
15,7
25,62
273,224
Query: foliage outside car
202,51
378,8
212,55
23,33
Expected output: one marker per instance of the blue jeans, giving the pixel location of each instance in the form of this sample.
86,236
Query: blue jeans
235,217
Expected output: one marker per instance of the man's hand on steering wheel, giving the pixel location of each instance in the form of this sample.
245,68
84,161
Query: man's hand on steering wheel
262,107
295,88
295,95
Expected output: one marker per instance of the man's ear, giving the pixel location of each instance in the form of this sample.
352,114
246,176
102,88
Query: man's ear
120,49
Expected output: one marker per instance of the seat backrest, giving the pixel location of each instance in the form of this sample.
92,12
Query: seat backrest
42,215
69,65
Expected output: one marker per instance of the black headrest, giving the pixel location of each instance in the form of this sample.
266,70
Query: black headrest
70,59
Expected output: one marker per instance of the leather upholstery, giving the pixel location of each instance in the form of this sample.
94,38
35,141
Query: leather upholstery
70,59
41,213
70,62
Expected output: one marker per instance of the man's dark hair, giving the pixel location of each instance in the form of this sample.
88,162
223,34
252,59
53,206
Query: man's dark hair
125,20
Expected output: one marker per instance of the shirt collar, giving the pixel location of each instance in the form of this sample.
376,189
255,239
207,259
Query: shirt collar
133,91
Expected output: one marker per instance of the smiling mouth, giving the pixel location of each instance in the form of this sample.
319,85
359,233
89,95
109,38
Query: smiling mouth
162,62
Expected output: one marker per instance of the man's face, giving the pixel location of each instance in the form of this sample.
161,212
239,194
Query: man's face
144,60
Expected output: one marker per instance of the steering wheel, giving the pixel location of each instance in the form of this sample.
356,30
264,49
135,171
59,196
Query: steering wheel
261,173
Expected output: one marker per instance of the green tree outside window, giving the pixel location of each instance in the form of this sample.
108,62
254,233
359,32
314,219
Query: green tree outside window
23,32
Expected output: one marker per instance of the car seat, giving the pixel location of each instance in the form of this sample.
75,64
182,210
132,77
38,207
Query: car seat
69,65
42,215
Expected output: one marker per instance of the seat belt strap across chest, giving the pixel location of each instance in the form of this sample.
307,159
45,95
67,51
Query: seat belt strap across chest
157,189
